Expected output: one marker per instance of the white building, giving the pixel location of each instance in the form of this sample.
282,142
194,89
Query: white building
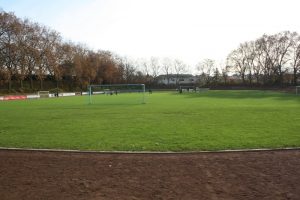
180,79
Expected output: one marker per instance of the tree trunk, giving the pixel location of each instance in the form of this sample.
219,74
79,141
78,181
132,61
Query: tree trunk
257,79
295,77
243,78
250,78
21,83
9,85
168,79
81,86
31,82
41,84
280,77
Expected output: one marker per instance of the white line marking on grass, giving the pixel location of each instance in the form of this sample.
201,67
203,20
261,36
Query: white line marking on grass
149,152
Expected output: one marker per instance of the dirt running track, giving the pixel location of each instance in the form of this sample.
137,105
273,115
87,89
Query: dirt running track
62,175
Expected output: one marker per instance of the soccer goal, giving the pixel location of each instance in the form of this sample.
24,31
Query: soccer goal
201,89
298,90
186,88
117,93
43,94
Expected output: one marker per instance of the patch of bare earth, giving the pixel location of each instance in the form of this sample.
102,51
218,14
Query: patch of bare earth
62,175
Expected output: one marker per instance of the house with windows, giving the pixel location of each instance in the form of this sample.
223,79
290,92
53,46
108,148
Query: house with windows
177,79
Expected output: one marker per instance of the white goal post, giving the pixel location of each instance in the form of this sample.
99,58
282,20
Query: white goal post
111,89
298,90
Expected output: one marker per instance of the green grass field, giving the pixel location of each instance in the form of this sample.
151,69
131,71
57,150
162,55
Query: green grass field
211,120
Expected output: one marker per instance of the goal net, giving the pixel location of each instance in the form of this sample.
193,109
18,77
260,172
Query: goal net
116,94
298,90
186,88
43,94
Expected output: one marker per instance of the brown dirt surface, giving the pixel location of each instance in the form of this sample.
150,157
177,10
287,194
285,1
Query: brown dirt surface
70,175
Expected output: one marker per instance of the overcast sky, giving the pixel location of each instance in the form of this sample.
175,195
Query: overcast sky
190,30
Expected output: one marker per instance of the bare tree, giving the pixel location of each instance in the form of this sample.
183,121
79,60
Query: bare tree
283,49
266,45
225,69
238,61
155,66
167,68
179,68
260,60
250,54
205,68
146,70
295,57
128,69
146,67
216,76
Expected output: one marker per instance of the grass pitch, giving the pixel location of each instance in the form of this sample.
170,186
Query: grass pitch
211,120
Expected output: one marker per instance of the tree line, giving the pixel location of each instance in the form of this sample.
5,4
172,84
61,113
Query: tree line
34,57
30,53
269,60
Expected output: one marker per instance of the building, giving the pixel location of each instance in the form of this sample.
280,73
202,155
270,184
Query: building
177,79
